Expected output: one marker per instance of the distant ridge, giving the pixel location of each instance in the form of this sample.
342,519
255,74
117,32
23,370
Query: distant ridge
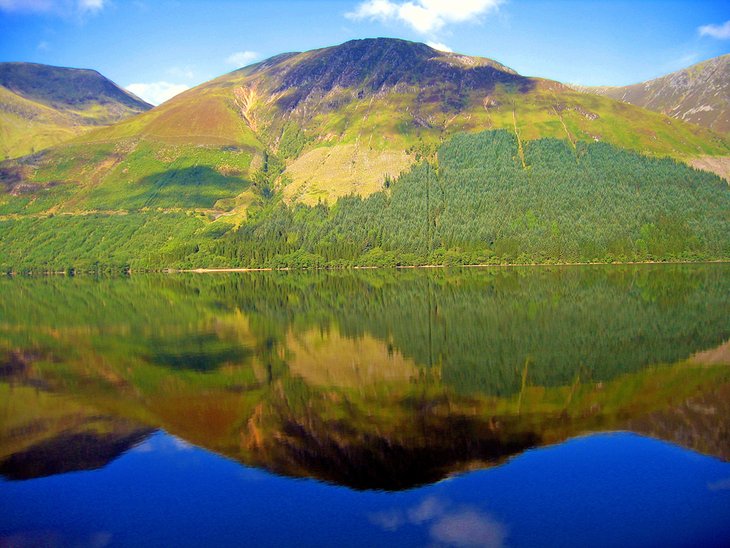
42,105
699,94
339,120
69,88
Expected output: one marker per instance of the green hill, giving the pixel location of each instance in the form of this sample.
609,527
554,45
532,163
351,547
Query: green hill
336,121
487,199
259,168
41,105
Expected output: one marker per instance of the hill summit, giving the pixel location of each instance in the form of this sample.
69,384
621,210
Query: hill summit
699,94
70,88
41,105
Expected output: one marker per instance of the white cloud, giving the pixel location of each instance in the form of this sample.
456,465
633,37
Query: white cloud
440,46
185,72
29,6
43,46
721,32
374,9
63,8
241,58
156,92
91,6
424,16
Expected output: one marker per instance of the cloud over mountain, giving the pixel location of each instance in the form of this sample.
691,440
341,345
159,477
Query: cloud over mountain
156,92
424,16
241,58
721,32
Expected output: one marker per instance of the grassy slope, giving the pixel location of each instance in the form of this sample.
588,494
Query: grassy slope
697,94
355,148
42,106
27,126
232,148
338,138
181,155
594,203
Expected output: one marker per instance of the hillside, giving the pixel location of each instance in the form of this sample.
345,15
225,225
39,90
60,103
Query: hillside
326,123
485,198
41,105
258,168
491,199
699,94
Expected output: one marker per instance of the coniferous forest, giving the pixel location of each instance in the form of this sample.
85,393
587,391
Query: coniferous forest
482,199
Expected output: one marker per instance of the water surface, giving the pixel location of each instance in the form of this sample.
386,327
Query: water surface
559,406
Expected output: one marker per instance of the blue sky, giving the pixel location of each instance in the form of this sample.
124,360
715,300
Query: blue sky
161,46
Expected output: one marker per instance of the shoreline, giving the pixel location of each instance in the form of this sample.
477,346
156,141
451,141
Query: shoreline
231,270
224,270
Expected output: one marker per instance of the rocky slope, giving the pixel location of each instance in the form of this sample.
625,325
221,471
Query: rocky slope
699,94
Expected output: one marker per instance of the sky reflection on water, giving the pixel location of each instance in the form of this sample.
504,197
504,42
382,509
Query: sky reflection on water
601,490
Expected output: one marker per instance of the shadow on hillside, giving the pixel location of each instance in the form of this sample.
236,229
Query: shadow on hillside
198,186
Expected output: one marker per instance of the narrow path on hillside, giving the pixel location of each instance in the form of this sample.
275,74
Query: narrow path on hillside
562,121
520,150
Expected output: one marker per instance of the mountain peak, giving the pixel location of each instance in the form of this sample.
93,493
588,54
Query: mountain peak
43,105
699,94
373,65
62,87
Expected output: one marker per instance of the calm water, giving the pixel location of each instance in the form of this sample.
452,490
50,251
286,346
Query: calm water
499,407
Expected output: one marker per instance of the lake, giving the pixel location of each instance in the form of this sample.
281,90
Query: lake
523,406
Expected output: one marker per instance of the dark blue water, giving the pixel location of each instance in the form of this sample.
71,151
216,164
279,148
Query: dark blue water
600,490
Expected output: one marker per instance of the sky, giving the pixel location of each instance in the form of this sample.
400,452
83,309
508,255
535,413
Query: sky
157,48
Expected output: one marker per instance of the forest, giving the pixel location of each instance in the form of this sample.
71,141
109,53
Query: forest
477,204
557,325
482,199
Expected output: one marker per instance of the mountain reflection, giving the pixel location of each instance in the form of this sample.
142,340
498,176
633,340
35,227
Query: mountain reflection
370,379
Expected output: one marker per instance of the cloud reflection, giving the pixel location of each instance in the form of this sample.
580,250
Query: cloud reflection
720,485
461,526
388,520
468,527
430,508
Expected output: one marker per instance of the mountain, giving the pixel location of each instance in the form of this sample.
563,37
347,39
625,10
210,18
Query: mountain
338,120
248,148
41,105
699,94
